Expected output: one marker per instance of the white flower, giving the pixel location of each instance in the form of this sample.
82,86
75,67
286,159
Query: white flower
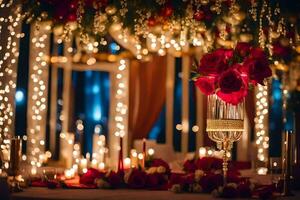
127,175
176,188
101,183
197,188
198,175
161,170
233,185
152,170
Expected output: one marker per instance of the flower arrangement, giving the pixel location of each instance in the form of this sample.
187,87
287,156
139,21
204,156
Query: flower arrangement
229,73
154,177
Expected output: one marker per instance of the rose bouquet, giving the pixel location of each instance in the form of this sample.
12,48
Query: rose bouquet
229,73
154,177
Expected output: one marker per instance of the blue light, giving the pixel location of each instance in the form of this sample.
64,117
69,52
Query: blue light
19,96
97,113
114,47
95,89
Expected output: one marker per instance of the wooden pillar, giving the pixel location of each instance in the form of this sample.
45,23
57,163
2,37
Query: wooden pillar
185,103
170,100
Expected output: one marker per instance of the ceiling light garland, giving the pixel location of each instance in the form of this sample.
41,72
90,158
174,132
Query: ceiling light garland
9,52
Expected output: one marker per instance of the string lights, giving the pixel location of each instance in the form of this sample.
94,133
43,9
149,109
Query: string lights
37,105
261,123
9,52
121,95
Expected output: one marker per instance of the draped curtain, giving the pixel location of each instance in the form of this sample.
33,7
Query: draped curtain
146,95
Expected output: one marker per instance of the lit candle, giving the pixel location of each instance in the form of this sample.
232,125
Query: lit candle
127,163
202,152
133,158
151,152
141,159
101,166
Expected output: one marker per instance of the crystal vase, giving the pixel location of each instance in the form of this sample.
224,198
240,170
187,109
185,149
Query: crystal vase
225,125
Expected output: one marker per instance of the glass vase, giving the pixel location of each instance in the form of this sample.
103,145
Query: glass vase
225,125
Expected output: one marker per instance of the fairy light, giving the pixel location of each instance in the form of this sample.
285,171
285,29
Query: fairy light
121,94
261,121
9,34
38,109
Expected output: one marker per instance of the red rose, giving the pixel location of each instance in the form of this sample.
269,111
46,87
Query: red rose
211,182
243,48
176,179
156,181
159,162
257,69
215,62
230,81
189,166
244,190
90,176
114,179
229,192
209,163
188,179
206,84
281,51
137,179
234,97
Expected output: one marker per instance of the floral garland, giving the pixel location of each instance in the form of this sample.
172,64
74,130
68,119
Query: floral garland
229,73
155,177
221,18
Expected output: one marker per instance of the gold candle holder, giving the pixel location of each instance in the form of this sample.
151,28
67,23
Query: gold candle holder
286,164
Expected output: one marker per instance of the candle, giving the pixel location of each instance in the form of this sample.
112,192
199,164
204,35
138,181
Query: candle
15,155
141,159
120,163
127,163
202,152
151,152
133,158
101,166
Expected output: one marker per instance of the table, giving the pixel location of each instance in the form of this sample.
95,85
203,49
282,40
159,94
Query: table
37,193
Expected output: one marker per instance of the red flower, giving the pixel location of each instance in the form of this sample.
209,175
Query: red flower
234,97
90,176
211,182
156,181
189,166
114,179
206,84
215,62
243,48
175,179
244,190
230,81
281,51
159,162
209,163
257,68
137,179
229,192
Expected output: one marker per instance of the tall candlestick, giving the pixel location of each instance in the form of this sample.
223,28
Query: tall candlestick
144,153
120,163
286,163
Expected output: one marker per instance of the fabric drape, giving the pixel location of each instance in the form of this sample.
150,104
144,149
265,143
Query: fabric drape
146,95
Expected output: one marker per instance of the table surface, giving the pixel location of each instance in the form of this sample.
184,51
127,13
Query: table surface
36,193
